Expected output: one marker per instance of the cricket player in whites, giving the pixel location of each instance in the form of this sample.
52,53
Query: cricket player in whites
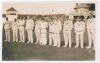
21,25
79,28
43,31
29,28
67,27
15,31
37,30
7,28
91,31
51,31
57,29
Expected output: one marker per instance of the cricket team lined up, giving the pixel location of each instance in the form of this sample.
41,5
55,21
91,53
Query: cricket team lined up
39,26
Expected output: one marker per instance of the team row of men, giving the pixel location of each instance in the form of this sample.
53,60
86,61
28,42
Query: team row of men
55,26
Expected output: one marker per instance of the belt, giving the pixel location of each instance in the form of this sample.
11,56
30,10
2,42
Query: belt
79,31
51,32
21,25
43,28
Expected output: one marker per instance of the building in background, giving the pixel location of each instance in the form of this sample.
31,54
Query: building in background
77,9
11,14
84,9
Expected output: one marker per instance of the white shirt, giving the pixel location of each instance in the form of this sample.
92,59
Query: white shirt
21,24
68,25
56,27
43,27
51,27
37,25
4,20
15,26
79,26
7,25
91,24
30,24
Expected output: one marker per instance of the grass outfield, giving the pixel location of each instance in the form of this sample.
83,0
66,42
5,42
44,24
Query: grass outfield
24,51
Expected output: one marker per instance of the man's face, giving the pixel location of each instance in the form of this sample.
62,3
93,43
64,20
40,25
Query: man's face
66,18
78,19
53,21
54,18
43,19
28,17
91,16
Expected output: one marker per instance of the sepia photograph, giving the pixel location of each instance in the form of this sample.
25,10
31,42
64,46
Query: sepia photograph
48,31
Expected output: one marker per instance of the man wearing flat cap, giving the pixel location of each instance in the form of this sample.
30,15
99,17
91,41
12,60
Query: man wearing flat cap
29,29
79,28
7,29
91,31
56,31
21,24
15,30
43,31
37,29
67,27
51,31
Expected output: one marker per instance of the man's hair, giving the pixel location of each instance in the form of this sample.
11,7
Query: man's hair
7,18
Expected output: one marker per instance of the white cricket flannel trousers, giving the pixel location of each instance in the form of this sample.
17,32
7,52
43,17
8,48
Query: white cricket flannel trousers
37,31
7,28
57,29
15,31
67,27
91,31
29,28
22,30
43,37
79,28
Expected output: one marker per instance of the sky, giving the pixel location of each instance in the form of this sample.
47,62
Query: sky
40,7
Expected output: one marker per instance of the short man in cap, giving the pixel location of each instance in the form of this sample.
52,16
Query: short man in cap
43,31
67,27
79,28
15,30
37,29
7,28
29,29
91,31
21,25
